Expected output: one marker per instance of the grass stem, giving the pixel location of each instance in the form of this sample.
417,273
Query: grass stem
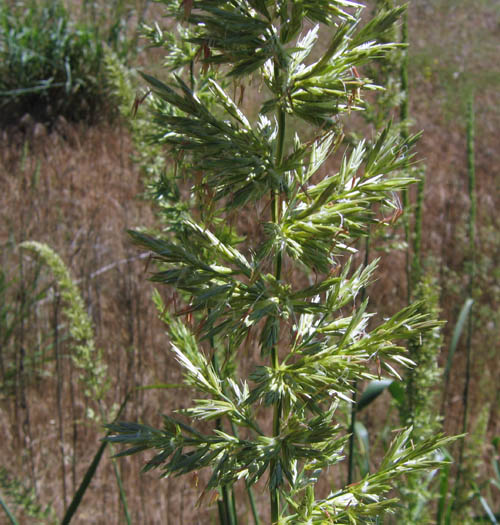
471,175
404,135
11,517
416,270
274,490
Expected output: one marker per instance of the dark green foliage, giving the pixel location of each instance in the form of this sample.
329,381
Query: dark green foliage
49,64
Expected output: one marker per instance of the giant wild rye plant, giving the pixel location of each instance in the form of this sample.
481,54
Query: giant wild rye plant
316,338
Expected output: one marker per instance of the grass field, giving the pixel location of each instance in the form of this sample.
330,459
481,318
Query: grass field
76,187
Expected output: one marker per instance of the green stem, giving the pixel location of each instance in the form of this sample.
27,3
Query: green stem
116,470
275,207
404,75
191,74
11,517
275,502
471,167
416,271
471,172
77,498
234,514
222,512
279,160
121,490
227,514
275,194
227,507
253,506
87,478
350,469
404,135
251,498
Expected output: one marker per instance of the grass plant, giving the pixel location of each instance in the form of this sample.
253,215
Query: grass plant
74,187
88,360
45,192
85,356
384,71
462,482
233,287
471,177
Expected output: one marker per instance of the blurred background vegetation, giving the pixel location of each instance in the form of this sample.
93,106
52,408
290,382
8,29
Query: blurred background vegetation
75,174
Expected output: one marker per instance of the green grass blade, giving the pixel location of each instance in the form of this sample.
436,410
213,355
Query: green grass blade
444,482
7,511
457,332
77,498
363,448
488,510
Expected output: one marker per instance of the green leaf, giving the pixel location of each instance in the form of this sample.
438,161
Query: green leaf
89,474
363,450
489,512
9,514
398,392
457,332
372,391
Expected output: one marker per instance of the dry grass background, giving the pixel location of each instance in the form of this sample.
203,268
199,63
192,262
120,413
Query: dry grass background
77,189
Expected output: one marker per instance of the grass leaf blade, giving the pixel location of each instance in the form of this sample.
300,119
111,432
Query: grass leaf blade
7,512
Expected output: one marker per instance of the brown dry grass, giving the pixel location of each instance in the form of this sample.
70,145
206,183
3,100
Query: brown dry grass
77,190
